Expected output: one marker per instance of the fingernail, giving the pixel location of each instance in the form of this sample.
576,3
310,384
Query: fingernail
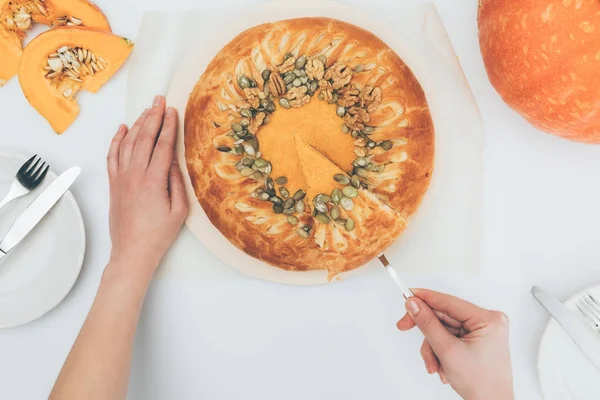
146,111
412,307
170,111
157,101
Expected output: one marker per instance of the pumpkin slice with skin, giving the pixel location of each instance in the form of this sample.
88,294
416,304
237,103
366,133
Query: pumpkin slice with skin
18,16
60,62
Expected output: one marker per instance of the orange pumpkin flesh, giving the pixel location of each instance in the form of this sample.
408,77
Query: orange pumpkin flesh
48,97
17,16
543,58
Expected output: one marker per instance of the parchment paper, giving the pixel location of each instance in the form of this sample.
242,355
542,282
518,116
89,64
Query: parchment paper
443,236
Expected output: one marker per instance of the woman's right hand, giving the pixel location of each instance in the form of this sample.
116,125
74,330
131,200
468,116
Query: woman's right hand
466,345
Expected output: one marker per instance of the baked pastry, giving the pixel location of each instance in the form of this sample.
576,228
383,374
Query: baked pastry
309,143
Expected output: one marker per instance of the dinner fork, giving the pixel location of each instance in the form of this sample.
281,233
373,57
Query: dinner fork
27,179
590,309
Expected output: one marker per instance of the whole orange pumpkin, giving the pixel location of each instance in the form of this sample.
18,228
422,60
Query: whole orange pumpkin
543,58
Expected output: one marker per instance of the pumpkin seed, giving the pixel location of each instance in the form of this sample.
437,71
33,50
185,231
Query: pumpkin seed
350,191
287,55
349,224
300,206
249,149
341,178
270,107
288,211
334,99
299,195
267,119
381,168
289,86
355,181
284,192
304,79
367,130
323,218
269,184
260,163
240,166
284,102
224,149
300,62
359,68
345,129
336,196
266,74
247,161
265,196
322,198
282,180
252,83
371,144
361,161
341,111
257,176
297,82
254,144
321,96
243,82
386,145
244,112
334,212
239,149
370,167
321,207
299,72
323,59
303,234
354,134
289,77
276,200
289,203
247,172
277,208
362,172
237,127
258,192
244,122
292,220
347,203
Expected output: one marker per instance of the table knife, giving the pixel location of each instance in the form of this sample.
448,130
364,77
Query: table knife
587,341
37,209
405,290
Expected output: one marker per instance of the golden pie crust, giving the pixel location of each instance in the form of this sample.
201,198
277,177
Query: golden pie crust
301,143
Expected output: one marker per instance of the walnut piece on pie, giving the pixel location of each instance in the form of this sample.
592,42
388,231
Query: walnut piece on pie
310,152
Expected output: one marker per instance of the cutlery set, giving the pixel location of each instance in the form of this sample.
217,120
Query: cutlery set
28,178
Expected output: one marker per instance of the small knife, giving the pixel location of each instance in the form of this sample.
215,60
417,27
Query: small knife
405,290
587,341
37,209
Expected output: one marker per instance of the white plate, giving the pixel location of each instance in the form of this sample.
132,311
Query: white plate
39,272
564,372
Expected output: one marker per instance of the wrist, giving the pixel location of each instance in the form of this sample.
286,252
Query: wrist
127,268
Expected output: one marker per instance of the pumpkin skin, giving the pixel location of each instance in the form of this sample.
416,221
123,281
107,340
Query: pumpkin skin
543,58
61,111
10,37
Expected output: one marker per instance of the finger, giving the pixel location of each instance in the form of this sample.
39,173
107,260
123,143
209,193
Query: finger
446,320
443,376
146,139
453,307
435,333
179,201
165,145
112,159
406,323
432,364
129,142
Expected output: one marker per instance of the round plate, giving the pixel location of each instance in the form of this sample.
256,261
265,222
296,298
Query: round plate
564,372
40,271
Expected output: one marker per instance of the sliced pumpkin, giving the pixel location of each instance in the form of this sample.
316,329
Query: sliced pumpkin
60,62
17,17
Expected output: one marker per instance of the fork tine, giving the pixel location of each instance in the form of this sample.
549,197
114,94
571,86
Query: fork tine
588,313
595,309
25,166
33,173
40,177
31,169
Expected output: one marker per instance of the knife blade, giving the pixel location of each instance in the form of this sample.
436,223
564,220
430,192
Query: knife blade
37,209
586,340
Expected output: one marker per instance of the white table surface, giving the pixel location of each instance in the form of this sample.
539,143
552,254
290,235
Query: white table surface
256,340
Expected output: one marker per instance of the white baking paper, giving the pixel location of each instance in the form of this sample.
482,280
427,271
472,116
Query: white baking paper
173,50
